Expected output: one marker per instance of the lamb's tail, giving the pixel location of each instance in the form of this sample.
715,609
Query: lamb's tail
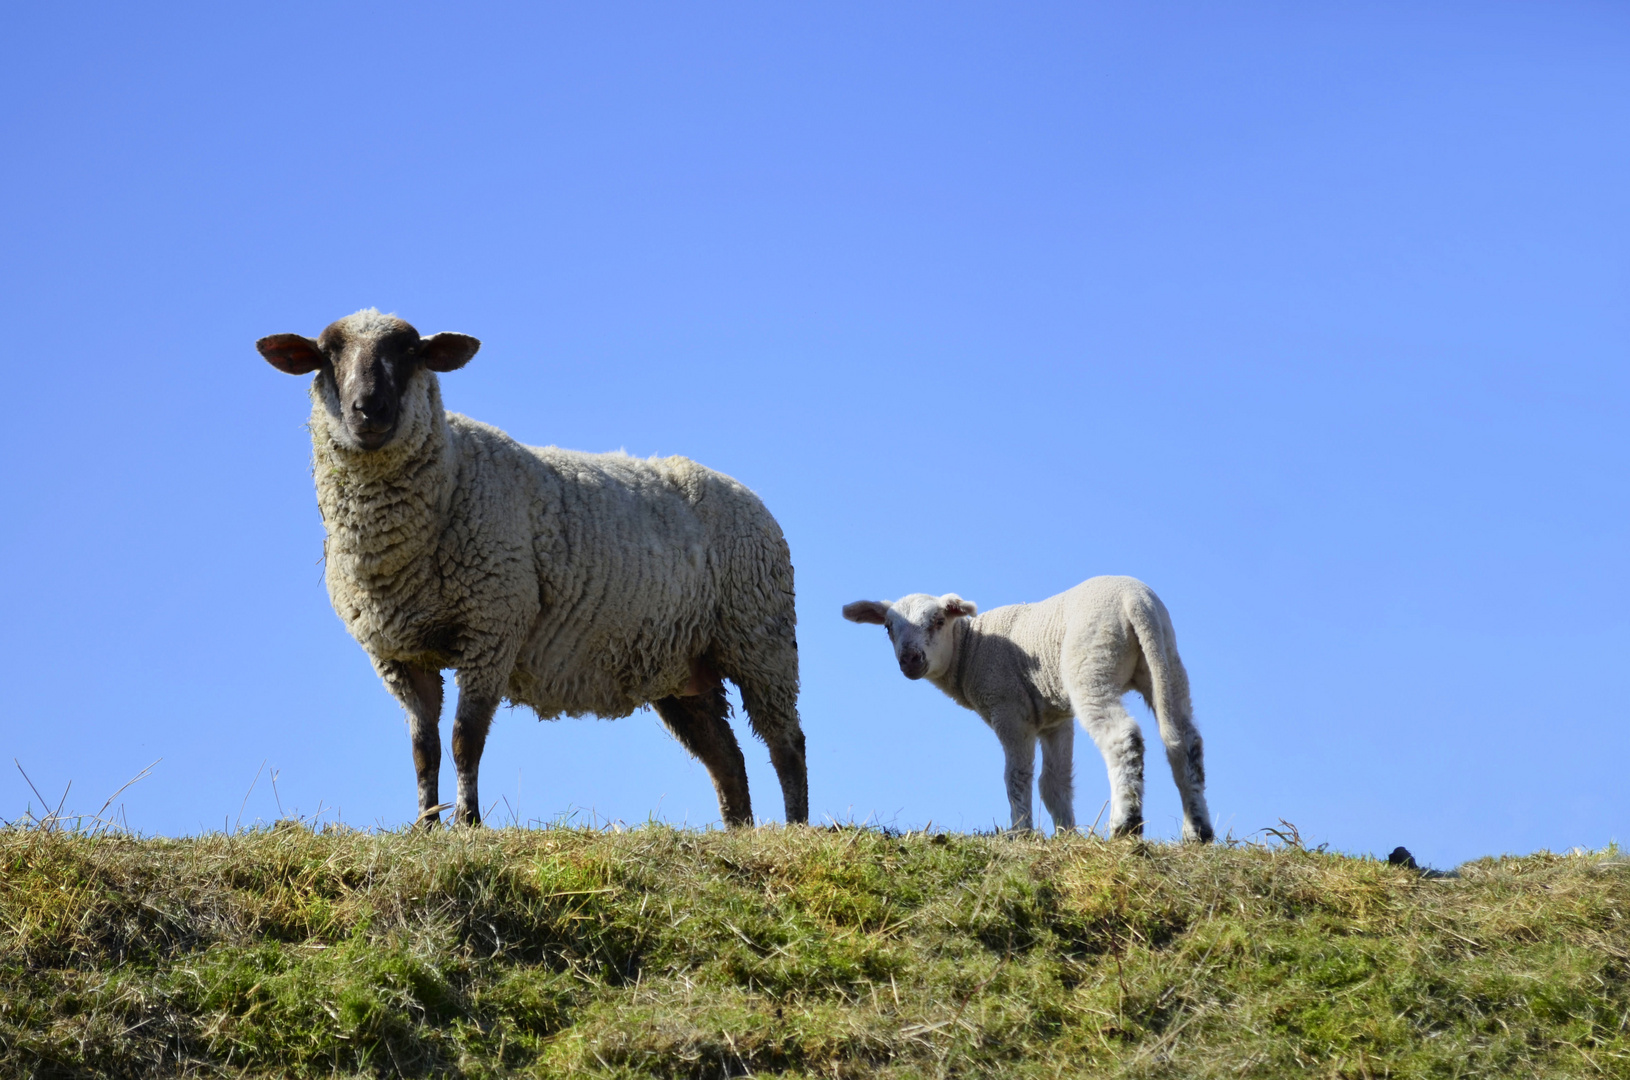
1169,681
1169,699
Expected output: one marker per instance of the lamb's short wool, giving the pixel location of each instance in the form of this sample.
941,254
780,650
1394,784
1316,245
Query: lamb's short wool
1028,668
571,583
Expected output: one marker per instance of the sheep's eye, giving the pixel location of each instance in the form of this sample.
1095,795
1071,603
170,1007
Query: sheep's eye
939,622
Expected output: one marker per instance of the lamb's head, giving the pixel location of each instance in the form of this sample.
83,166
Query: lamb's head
365,365
919,625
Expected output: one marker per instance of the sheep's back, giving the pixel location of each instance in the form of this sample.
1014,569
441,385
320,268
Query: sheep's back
1083,634
633,557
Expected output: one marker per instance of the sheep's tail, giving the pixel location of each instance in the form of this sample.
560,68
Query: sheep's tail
1168,679
1169,700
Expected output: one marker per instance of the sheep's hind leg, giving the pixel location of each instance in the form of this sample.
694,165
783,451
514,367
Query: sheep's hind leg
420,692
1187,759
1185,751
1121,743
699,723
772,709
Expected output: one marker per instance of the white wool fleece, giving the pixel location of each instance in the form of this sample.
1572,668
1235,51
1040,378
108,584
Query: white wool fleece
572,583
1027,669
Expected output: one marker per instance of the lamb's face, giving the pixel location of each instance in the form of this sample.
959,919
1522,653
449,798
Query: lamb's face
919,627
365,364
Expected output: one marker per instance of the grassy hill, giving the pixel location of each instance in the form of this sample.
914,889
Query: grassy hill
847,953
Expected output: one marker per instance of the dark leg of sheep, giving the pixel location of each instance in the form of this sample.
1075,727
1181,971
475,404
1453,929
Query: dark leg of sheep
699,724
420,692
470,725
773,711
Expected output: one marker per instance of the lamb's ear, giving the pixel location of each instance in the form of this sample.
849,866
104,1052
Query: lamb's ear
866,611
955,606
291,353
447,352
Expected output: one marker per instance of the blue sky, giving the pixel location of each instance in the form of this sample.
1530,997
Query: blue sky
1312,316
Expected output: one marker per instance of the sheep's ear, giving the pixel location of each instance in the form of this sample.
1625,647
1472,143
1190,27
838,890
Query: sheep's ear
447,352
866,611
955,606
291,353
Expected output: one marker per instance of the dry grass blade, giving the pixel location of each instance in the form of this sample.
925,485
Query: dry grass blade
35,790
138,778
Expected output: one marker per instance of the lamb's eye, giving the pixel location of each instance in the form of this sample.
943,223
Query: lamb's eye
939,622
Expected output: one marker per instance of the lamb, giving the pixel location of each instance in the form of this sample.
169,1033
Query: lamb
1027,668
571,583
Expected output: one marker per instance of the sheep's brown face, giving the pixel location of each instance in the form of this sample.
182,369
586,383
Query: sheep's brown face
368,373
364,363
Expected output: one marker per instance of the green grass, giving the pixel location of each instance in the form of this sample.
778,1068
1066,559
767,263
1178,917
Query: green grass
804,952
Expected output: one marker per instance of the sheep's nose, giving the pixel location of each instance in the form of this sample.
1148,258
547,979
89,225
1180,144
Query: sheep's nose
370,419
913,665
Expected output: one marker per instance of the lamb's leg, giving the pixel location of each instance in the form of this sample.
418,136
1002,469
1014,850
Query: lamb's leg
420,692
1121,743
476,704
1187,759
700,726
1185,752
772,709
1058,775
1019,768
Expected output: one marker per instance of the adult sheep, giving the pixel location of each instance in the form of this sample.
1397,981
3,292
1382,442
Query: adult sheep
571,583
1026,669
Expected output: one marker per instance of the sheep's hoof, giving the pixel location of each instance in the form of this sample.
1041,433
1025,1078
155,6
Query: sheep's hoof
1132,827
430,816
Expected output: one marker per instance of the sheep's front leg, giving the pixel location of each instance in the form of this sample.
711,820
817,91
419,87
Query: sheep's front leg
420,692
1019,750
1058,775
475,708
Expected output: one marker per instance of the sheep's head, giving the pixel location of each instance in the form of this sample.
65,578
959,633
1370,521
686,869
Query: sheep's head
364,363
919,625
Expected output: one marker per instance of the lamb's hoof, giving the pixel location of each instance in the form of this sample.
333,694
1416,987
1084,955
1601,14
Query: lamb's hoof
1132,828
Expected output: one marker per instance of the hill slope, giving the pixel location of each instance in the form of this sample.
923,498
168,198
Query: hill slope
660,952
